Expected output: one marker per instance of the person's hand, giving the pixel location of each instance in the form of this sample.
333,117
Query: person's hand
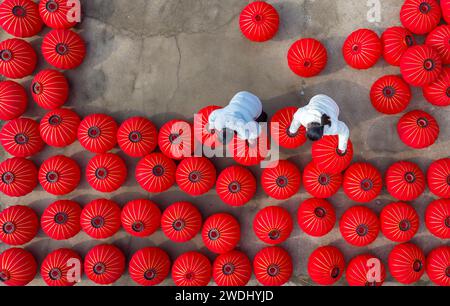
296,123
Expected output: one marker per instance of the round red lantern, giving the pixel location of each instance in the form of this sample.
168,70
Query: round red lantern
273,225
359,226
236,186
390,95
418,129
106,172
57,265
438,92
406,263
156,173
326,265
55,14
141,218
273,266
316,217
396,40
445,6
259,21
59,127
196,175
365,270
307,57
327,156
362,49
149,266
59,175
281,180
405,181
439,40
17,58
19,225
437,218
17,267
232,269
19,176
100,219
249,154
192,269
97,133
362,182
50,89
137,137
439,178
181,222
61,220
104,264
421,65
399,222
420,16
13,100
221,233
321,184
176,139
202,133
279,128
63,49
438,266
20,137
20,18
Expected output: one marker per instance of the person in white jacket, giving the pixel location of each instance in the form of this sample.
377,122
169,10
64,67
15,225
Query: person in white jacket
241,116
321,117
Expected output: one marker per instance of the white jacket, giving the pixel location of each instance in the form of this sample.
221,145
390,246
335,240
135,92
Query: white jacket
239,116
313,112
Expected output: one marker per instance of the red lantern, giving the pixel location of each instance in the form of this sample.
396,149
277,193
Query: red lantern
362,49
176,139
100,219
362,182
321,184
19,225
59,128
405,181
17,267
273,225
279,128
141,218
57,265
17,58
307,57
365,270
202,132
20,18
221,233
156,173
181,222
20,137
273,266
396,40
438,92
232,269
328,157
50,89
418,129
196,175
437,218
316,217
104,264
249,154
97,133
282,181
61,220
390,95
55,14
106,172
236,186
59,175
399,222
149,266
191,269
63,49
420,16
438,39
359,226
421,66
137,137
438,266
406,263
326,265
18,177
13,100
439,178
445,6
259,21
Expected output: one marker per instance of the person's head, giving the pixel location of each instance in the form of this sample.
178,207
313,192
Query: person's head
314,131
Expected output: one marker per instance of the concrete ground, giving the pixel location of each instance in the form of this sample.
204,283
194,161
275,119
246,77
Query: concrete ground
166,59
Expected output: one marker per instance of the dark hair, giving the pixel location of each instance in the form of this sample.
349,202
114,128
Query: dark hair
314,131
